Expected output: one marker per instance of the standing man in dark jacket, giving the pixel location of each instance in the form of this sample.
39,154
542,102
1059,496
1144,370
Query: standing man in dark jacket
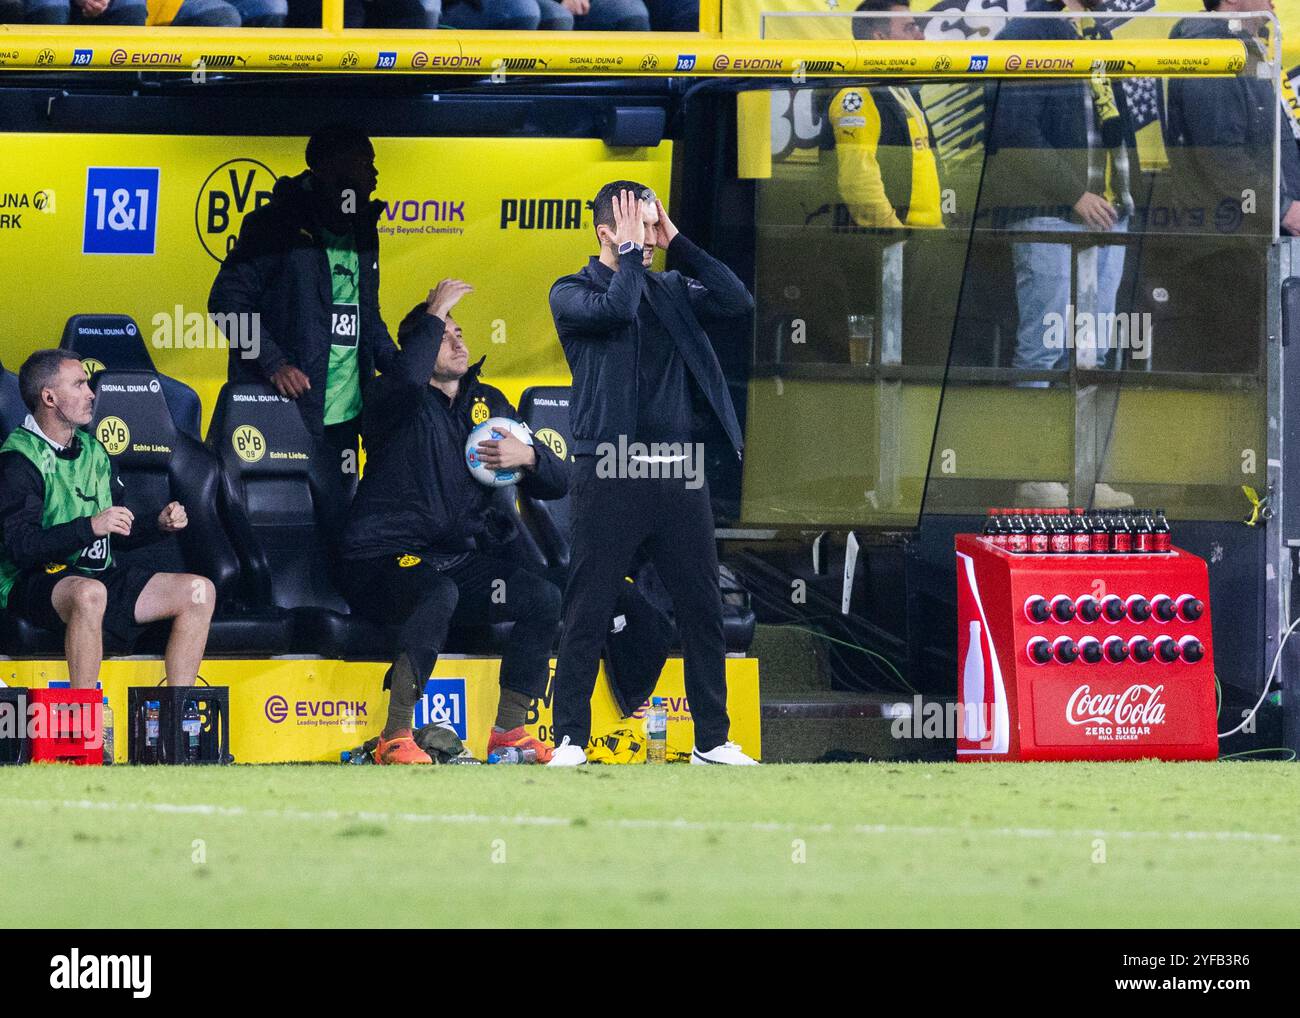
307,264
413,545
1220,133
641,361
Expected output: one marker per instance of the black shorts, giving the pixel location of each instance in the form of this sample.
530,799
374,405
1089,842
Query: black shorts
32,596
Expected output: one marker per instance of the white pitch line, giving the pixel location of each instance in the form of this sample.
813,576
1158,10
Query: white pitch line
526,820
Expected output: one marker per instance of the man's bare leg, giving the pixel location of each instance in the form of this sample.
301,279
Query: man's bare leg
187,600
80,602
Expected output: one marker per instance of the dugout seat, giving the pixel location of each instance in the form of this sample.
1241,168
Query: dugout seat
105,341
157,463
284,505
546,410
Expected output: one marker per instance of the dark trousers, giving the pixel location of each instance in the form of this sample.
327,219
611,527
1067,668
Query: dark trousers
611,518
426,602
340,439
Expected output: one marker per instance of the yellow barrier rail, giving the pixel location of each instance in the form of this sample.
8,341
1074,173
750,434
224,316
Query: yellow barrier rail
663,54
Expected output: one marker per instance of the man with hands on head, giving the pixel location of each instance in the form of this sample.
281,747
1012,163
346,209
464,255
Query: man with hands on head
419,548
60,520
642,364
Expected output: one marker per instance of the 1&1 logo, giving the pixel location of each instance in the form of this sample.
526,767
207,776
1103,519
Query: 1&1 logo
443,703
978,64
387,60
248,443
121,210
685,61
232,190
113,435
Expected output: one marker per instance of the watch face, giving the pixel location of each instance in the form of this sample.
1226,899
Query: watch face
626,246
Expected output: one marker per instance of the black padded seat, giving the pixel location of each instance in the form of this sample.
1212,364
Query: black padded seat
283,503
114,342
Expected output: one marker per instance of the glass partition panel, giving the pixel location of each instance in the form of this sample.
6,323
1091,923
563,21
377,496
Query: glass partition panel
1038,291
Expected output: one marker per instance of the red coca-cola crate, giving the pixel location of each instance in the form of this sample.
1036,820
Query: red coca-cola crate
1083,656
67,726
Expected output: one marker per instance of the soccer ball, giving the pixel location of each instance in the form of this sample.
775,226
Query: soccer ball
494,427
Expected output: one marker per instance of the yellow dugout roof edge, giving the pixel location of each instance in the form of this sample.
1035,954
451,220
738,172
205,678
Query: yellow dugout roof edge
63,49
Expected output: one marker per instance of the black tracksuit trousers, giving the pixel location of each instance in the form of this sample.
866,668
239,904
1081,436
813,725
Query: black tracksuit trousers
611,518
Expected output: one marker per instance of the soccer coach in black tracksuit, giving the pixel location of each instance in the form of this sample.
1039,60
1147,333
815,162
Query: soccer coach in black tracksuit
412,549
640,360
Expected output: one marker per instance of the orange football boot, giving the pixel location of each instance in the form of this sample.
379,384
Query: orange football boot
520,739
400,749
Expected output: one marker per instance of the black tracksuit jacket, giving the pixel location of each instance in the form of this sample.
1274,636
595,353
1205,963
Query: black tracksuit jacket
417,496
595,315
279,269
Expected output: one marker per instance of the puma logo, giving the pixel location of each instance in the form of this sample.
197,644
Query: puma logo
343,270
83,496
810,216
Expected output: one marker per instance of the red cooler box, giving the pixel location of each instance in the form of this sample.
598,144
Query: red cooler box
1083,656
69,727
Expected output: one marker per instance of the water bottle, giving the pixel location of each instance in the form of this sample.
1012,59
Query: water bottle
151,709
192,726
107,727
354,756
656,730
513,755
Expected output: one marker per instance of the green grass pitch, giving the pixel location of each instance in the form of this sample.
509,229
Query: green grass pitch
1071,845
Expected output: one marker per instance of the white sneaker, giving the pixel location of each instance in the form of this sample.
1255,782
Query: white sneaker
727,753
1106,497
567,755
1043,494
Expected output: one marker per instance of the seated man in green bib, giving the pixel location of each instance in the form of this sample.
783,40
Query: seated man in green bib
59,526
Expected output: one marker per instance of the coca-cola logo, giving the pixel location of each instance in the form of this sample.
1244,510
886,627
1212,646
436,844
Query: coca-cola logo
1137,705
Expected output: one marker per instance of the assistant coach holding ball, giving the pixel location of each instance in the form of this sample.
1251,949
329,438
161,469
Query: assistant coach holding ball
641,361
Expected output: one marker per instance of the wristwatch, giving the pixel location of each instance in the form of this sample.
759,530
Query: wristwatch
628,246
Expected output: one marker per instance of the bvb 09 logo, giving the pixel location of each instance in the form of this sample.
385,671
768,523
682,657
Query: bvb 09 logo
554,441
113,434
232,190
248,442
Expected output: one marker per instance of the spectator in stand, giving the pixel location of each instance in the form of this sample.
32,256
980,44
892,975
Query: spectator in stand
674,15
1220,131
886,169
218,13
1062,158
84,12
594,15
369,13
517,15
